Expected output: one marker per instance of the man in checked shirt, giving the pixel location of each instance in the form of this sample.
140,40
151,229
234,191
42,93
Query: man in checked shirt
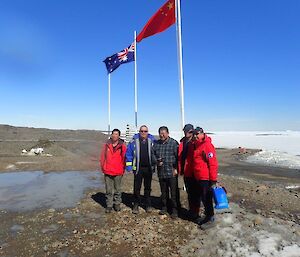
166,152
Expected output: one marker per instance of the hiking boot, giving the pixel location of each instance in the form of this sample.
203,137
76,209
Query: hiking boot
174,214
117,207
108,210
135,209
200,220
163,212
207,223
148,209
193,215
203,220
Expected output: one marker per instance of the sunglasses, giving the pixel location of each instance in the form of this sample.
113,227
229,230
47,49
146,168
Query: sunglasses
191,131
143,131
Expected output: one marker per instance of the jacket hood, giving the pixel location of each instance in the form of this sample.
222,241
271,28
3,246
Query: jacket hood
206,139
137,135
109,141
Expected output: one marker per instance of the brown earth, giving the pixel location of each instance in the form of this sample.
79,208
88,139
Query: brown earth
70,149
85,229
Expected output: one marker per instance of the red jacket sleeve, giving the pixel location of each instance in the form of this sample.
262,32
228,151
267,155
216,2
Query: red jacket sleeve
179,158
102,156
123,155
212,161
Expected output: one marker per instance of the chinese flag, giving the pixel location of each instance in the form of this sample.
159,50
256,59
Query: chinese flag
160,21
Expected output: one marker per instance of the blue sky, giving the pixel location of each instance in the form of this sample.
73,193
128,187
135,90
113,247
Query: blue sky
241,64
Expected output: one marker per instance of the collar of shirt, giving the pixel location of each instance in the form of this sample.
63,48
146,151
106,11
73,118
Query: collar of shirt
165,141
143,140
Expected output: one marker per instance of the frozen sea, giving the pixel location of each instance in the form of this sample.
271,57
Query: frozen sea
279,148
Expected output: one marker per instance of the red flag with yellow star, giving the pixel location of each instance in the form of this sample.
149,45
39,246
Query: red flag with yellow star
160,21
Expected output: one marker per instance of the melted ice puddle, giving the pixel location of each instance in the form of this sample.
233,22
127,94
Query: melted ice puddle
29,190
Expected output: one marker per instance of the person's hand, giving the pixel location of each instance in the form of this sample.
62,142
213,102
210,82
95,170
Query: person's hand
175,172
213,184
159,162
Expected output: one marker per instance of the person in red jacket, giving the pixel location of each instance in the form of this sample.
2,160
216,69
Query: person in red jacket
112,162
186,169
205,167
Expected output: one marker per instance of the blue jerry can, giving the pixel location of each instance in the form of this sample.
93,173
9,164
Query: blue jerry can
220,198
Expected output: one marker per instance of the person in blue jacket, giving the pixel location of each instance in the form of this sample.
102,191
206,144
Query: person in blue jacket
141,160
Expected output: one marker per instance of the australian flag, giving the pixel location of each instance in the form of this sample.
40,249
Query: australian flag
114,61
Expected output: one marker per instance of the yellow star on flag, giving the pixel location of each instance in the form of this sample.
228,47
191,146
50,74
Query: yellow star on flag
170,5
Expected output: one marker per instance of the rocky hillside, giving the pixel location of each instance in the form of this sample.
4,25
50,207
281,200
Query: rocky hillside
67,147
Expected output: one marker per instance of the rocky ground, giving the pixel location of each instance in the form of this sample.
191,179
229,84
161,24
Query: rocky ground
260,215
263,219
68,149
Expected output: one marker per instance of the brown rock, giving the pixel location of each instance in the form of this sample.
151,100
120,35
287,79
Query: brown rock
257,221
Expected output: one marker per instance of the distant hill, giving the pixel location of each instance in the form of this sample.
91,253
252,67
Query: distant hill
71,149
8,132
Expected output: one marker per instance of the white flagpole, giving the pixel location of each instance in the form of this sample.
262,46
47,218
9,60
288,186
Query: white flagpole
108,103
180,66
135,83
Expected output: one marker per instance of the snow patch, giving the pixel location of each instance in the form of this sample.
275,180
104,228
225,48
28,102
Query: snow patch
293,187
25,162
236,235
267,243
10,167
274,158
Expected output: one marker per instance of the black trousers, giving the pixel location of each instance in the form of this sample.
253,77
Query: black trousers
178,195
206,196
193,194
144,173
169,185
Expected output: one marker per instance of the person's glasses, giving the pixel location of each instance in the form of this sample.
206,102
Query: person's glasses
143,131
190,132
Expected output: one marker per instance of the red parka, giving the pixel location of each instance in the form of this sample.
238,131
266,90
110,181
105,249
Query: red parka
187,170
112,160
205,162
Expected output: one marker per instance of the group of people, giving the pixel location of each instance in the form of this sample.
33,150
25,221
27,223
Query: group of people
194,158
